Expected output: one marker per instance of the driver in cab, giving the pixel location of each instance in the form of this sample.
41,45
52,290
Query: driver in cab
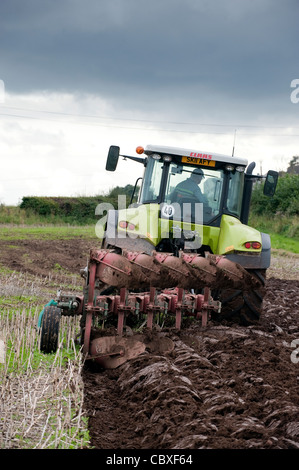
188,190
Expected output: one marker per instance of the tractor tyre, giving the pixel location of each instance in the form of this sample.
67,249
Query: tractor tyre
50,329
243,306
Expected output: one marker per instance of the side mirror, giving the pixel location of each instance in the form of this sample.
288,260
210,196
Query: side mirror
112,158
270,183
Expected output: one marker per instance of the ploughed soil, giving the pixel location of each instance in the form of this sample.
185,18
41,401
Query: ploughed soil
224,386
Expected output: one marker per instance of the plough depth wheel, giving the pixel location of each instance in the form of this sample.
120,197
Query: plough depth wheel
50,329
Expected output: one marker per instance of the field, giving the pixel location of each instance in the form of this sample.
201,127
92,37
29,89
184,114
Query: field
226,386
41,396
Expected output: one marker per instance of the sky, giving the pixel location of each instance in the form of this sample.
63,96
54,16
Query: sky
78,76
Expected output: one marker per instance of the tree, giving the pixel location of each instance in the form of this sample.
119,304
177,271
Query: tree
293,167
285,199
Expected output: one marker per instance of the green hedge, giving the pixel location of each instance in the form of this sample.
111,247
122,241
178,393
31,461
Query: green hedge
69,208
79,210
285,199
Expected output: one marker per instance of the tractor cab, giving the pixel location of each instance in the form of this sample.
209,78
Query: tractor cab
192,186
190,200
170,180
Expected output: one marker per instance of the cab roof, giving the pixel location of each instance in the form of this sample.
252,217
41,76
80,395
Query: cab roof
149,149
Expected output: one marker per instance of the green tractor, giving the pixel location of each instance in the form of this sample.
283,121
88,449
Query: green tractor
184,249
195,202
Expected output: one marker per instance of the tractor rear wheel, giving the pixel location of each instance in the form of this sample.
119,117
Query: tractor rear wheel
241,306
50,329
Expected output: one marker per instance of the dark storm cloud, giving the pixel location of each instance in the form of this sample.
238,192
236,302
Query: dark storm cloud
117,47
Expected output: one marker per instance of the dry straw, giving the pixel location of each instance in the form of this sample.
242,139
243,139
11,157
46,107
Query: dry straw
41,397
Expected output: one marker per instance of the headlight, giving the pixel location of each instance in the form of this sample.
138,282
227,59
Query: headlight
229,167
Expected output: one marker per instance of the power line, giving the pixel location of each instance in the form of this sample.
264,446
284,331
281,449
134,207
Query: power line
94,116
155,128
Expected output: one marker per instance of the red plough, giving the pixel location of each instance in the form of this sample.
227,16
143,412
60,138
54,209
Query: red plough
184,278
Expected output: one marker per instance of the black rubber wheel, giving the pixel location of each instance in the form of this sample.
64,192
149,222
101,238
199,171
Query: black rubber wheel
50,329
243,307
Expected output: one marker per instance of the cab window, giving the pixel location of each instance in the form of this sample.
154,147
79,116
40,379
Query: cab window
211,187
235,191
152,181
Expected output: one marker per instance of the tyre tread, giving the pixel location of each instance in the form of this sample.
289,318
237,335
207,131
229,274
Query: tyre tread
50,329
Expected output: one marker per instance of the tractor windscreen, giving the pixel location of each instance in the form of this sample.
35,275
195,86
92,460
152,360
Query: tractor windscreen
189,185
177,184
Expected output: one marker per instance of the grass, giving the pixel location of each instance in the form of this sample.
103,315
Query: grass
16,300
279,242
41,395
284,230
46,232
19,216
